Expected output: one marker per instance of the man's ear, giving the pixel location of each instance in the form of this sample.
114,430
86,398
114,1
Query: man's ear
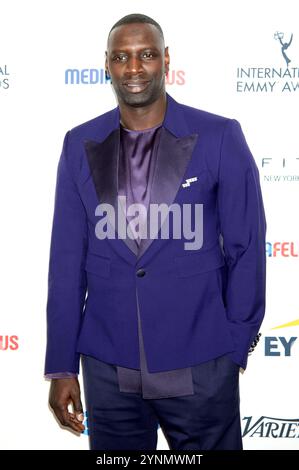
107,75
167,60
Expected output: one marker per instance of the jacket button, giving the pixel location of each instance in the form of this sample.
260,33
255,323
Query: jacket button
140,272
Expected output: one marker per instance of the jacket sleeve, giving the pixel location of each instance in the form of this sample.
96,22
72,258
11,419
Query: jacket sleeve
243,228
66,276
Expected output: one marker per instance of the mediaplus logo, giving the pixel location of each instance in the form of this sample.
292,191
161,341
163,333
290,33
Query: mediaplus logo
9,343
94,76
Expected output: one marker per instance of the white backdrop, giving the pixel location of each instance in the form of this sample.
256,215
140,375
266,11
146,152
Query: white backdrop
208,42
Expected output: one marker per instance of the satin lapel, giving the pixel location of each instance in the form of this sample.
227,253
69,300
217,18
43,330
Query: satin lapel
173,156
103,159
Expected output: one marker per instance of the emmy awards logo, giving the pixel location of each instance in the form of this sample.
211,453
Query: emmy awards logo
284,45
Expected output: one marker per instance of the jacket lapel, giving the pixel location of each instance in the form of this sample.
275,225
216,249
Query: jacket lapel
173,157
103,159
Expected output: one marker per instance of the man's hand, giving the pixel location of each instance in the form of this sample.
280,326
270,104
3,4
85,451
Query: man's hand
62,393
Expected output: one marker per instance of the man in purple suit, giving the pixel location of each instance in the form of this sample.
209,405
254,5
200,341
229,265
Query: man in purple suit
162,325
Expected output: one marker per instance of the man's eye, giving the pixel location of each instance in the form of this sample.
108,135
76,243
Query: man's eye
119,58
122,58
148,54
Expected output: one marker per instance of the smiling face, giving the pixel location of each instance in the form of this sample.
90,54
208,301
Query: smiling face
137,62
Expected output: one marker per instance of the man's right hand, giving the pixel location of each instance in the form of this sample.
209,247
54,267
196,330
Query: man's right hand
62,393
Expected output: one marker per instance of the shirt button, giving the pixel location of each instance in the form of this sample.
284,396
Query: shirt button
140,272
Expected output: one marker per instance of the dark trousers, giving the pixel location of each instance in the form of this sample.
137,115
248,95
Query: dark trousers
207,420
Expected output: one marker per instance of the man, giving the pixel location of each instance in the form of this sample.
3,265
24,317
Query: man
164,329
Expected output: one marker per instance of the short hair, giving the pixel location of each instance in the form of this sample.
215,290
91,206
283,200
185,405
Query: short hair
137,18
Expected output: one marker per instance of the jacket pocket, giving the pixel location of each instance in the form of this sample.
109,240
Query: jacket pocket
197,263
98,265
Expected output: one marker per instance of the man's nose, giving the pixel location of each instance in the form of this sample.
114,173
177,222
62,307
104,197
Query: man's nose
134,65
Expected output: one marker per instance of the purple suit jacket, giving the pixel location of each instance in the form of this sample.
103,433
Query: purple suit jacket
194,305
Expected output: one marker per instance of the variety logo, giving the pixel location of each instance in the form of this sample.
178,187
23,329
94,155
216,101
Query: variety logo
271,427
255,79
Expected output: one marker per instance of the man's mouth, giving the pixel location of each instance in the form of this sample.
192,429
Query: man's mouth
136,86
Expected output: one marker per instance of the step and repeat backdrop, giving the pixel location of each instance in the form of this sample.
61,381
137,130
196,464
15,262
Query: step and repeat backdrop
232,58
